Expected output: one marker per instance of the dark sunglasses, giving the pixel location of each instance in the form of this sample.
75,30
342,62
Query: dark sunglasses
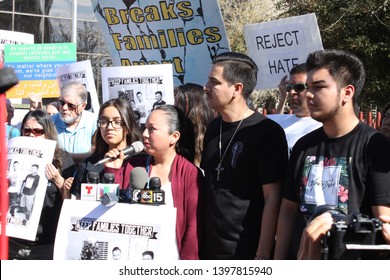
71,106
35,131
297,87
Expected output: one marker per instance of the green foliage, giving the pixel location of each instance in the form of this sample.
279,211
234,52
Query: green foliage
359,26
236,14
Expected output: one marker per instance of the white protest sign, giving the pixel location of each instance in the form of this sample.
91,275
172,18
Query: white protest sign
277,46
80,72
13,38
139,85
27,159
186,34
87,230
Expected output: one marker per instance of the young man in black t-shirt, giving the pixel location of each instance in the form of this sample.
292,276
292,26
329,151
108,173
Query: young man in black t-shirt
343,164
244,160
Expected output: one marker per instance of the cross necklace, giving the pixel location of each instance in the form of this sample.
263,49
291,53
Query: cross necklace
219,168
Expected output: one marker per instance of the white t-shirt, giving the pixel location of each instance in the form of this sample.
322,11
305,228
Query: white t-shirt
294,127
167,188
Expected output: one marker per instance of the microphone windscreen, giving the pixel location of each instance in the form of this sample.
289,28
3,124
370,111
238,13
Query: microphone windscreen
155,183
138,178
93,177
109,178
138,146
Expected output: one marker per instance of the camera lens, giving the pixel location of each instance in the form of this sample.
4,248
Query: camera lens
337,213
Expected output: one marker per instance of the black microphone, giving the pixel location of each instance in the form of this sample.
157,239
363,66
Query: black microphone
109,178
154,195
138,181
93,177
133,149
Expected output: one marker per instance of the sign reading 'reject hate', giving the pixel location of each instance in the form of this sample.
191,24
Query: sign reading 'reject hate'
277,46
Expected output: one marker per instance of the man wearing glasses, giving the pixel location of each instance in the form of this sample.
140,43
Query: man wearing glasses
294,91
75,125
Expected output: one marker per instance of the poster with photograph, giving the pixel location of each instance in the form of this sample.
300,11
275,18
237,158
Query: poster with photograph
88,230
145,87
80,72
27,159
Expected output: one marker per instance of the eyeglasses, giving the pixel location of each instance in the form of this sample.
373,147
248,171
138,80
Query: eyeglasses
298,88
116,124
71,106
35,131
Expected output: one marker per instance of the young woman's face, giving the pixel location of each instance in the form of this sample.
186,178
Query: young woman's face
111,128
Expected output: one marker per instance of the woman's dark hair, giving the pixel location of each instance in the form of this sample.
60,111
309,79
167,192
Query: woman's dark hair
44,119
130,124
191,99
177,121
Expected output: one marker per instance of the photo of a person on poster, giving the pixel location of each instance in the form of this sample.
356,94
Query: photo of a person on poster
14,187
141,105
116,253
148,255
29,186
159,100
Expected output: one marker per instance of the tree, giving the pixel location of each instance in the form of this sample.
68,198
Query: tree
236,14
359,26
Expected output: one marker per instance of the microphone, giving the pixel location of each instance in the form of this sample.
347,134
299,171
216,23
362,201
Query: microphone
89,190
133,149
138,181
108,190
154,195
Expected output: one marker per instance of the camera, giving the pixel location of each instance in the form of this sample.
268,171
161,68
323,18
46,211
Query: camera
352,237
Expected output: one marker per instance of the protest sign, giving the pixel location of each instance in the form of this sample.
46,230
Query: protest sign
80,72
27,159
186,34
87,230
35,65
279,45
13,38
142,86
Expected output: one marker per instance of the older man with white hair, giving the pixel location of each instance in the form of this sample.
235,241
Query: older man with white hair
75,125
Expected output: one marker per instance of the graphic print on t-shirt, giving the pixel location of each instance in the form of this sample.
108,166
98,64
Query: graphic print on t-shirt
324,181
237,149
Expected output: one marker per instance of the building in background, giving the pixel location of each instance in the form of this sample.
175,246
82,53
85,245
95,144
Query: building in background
53,21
